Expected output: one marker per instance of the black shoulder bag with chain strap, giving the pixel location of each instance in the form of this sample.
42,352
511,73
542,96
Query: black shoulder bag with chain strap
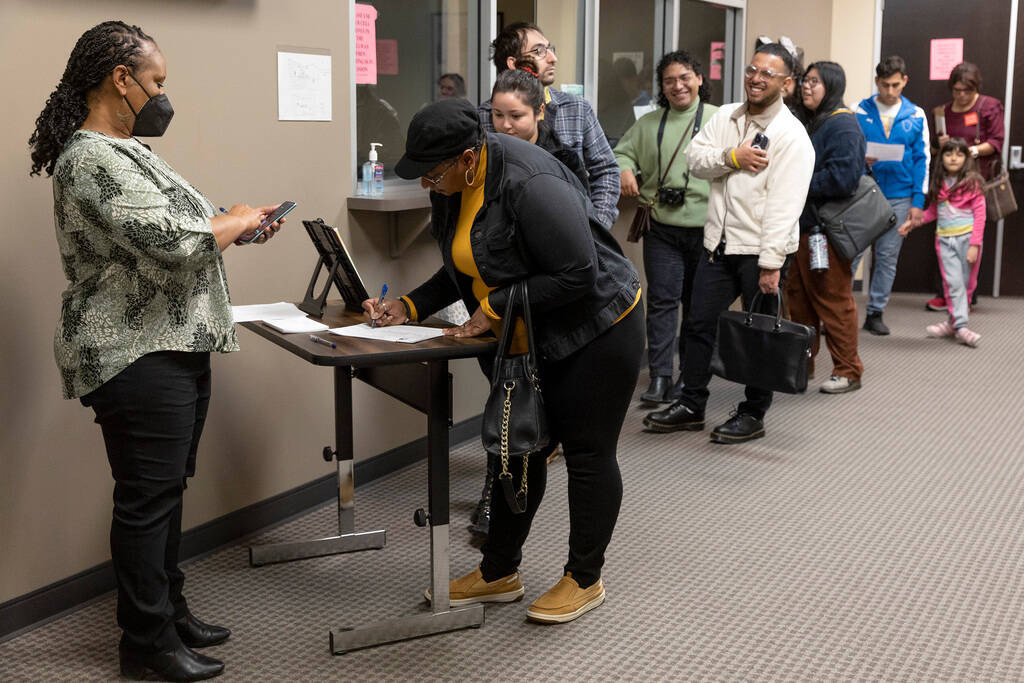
514,422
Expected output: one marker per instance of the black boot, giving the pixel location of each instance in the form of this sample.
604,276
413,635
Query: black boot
873,324
677,389
179,664
677,417
656,392
195,633
480,520
738,428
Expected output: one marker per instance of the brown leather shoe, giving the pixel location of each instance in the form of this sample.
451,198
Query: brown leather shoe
566,601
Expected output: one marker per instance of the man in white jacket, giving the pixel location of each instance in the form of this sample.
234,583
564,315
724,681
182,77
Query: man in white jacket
757,195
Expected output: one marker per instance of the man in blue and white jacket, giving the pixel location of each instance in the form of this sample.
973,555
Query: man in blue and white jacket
889,118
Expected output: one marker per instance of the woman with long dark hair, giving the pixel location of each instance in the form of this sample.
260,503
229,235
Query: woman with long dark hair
824,298
654,148
146,303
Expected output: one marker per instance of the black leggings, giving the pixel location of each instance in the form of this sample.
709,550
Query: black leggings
586,397
152,414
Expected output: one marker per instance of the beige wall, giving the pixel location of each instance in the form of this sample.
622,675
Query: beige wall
560,19
842,31
853,46
271,413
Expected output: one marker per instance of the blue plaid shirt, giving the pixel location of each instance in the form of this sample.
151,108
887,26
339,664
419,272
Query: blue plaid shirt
576,126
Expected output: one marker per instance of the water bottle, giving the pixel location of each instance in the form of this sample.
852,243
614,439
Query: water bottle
817,244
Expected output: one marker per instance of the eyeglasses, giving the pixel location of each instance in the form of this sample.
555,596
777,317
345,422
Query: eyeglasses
961,90
541,51
812,82
750,71
437,181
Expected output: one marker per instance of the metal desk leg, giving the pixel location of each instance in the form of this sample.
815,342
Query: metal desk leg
346,540
442,618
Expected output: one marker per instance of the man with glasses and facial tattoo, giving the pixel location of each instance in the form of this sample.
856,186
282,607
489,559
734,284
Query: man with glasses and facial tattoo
759,160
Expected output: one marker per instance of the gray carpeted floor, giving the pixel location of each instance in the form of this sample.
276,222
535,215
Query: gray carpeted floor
870,536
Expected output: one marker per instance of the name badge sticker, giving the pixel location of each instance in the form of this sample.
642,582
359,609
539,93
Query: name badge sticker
971,119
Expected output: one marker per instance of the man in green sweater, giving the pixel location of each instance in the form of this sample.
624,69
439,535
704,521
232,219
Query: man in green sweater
654,149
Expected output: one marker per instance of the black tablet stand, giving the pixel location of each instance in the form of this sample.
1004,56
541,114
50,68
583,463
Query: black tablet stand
340,271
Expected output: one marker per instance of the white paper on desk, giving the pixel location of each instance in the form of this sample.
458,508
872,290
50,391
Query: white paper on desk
885,152
409,334
244,314
293,325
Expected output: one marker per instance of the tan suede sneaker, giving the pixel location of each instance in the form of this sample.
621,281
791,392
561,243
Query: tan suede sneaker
472,588
566,601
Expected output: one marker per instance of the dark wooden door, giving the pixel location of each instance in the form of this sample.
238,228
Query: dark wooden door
908,26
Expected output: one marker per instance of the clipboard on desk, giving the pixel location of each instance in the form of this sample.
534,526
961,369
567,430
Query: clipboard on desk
341,271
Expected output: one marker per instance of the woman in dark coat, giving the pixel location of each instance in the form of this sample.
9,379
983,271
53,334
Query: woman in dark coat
506,211
825,297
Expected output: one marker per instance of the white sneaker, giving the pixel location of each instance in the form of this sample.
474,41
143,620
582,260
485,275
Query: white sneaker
943,329
966,336
838,384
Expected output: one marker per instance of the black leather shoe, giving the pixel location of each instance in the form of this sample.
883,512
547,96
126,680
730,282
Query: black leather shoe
738,428
677,417
656,392
195,633
677,389
180,664
873,324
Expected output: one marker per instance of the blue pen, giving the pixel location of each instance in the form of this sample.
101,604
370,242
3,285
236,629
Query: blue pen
380,300
223,210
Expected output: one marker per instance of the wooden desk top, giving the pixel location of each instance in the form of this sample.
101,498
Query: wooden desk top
356,352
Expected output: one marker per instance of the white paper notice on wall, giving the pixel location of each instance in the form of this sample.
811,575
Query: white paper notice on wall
303,86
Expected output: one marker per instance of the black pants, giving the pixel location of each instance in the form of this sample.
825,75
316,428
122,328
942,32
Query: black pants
671,255
586,397
716,286
152,415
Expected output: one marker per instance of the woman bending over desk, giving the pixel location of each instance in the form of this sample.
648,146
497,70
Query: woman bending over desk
505,211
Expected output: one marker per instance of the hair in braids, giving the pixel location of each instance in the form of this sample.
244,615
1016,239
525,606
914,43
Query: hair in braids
96,53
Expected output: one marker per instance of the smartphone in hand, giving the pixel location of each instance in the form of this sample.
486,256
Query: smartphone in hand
279,213
760,141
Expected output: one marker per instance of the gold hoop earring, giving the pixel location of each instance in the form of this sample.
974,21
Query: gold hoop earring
469,181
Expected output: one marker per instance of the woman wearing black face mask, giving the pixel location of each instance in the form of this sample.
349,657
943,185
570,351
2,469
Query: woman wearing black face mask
147,302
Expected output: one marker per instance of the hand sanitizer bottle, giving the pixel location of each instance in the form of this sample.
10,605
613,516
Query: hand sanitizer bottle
372,181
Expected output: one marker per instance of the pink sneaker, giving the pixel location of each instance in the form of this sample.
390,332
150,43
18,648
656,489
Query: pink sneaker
943,329
965,336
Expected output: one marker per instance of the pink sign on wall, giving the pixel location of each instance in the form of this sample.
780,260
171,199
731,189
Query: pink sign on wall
387,57
716,61
946,53
366,44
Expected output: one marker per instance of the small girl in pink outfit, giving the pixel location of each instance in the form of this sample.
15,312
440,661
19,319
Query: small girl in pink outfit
956,198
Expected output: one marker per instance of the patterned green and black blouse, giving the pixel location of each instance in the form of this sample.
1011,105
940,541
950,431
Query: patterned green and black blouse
143,265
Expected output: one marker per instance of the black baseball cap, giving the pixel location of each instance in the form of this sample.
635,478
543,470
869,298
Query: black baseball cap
439,131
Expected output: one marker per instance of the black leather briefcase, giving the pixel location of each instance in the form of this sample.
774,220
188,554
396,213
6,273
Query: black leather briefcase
763,351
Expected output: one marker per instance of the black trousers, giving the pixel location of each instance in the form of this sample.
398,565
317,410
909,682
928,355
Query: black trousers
152,414
671,255
716,286
586,397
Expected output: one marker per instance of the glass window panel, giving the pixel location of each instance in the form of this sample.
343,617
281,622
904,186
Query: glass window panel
625,63
702,31
418,41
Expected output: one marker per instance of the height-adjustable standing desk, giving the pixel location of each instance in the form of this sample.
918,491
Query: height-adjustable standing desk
417,375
